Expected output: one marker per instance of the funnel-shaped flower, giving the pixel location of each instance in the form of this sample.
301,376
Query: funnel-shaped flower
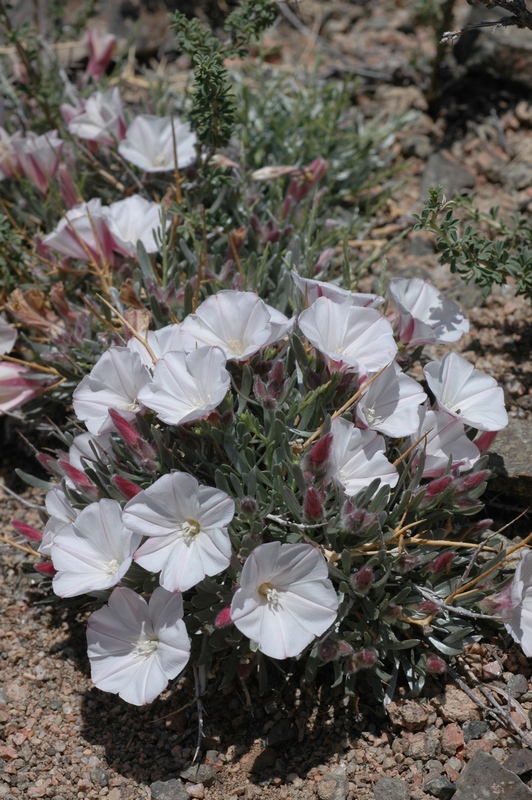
134,647
467,393
61,512
426,316
519,624
186,525
101,48
186,387
445,439
94,552
82,233
114,382
313,289
389,404
357,458
237,322
165,340
360,339
39,157
149,143
132,220
285,598
15,389
100,118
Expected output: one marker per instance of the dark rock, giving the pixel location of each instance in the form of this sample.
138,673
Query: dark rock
280,734
333,786
501,53
199,773
169,790
391,789
517,685
474,729
484,778
519,762
511,459
444,169
440,787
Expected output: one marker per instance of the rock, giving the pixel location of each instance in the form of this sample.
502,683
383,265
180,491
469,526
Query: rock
511,458
280,734
517,685
99,776
502,53
199,773
456,706
452,739
440,787
333,786
484,778
391,789
169,790
407,714
417,145
474,729
444,169
254,762
519,762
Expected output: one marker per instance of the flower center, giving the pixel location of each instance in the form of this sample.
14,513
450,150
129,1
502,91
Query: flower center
148,647
111,566
159,161
269,593
190,528
236,346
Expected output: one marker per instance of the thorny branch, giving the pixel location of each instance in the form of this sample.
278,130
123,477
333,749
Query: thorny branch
520,17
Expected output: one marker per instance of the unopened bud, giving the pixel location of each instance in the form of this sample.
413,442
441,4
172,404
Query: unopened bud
427,607
362,580
126,487
318,455
29,533
440,563
356,520
344,648
46,568
484,441
405,562
328,650
81,482
435,664
223,618
472,481
393,612
363,659
313,504
248,506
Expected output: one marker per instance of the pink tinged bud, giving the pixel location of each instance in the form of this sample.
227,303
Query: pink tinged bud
438,486
126,430
362,580
484,441
29,533
67,187
499,604
435,664
81,482
481,526
405,563
48,462
223,618
319,452
245,668
248,506
356,520
46,568
312,505
392,612
328,651
101,47
127,488
344,648
363,659
440,563
427,607
472,481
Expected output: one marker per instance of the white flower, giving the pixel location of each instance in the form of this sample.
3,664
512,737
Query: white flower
38,156
94,551
239,323
165,340
82,233
89,448
426,316
446,439
100,118
357,457
313,289
149,143
186,525
8,335
285,598
15,389
389,404
134,647
359,338
114,382
61,512
187,386
467,393
131,220
519,625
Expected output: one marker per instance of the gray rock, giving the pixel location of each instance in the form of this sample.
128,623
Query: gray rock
519,762
333,786
99,776
199,773
440,787
484,778
417,145
511,459
517,685
280,734
501,53
391,789
444,169
474,729
169,790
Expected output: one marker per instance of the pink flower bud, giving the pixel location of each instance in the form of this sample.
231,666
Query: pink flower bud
29,533
46,568
392,612
427,607
126,430
223,618
101,47
405,562
363,659
440,563
82,483
328,650
484,441
472,481
435,664
438,486
248,506
356,520
319,453
127,488
344,648
313,504
362,580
